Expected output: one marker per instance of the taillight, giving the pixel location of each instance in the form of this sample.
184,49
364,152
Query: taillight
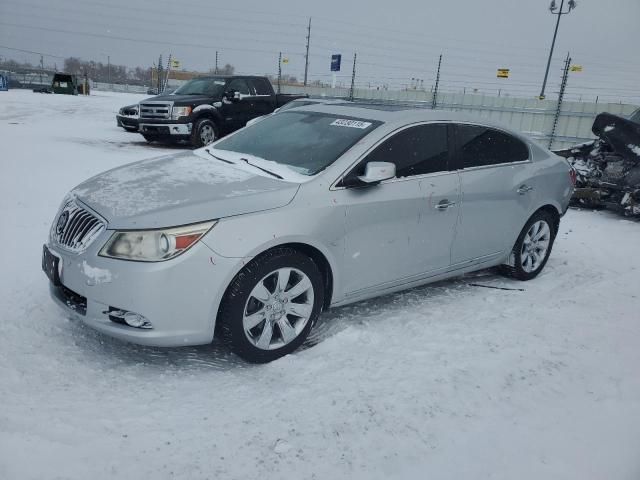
573,175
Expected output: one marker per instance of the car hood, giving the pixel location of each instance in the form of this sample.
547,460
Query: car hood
178,190
181,99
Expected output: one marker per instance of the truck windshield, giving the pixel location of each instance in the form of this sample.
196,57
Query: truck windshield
306,141
202,86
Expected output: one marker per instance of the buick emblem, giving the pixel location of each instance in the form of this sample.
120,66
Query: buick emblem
62,222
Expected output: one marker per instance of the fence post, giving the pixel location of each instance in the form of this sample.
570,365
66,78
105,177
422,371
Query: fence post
279,70
563,86
434,98
353,77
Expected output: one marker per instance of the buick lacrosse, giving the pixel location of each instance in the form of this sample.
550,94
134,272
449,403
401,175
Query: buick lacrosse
323,205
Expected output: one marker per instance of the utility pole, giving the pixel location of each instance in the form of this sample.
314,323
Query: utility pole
41,68
166,80
279,70
563,86
159,72
306,57
353,77
558,12
109,69
216,62
434,97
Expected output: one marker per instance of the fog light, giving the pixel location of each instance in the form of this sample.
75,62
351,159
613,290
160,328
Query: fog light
132,319
136,320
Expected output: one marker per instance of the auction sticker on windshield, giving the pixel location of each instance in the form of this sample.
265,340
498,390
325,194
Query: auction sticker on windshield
343,122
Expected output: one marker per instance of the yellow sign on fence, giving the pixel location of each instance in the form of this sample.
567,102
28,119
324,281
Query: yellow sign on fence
503,73
576,68
285,60
175,63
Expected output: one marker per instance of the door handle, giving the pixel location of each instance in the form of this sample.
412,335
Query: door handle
524,189
444,204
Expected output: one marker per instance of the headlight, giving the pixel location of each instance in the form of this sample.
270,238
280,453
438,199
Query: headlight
177,112
154,245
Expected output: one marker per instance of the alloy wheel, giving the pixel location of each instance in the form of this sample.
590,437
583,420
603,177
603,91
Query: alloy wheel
535,245
207,134
278,308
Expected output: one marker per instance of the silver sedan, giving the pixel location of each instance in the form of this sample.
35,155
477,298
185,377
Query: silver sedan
320,206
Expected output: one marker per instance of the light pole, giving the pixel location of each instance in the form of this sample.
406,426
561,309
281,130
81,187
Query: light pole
553,8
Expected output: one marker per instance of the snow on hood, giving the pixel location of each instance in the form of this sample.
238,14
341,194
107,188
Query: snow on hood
178,190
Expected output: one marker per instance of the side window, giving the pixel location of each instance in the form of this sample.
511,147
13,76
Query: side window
415,150
481,146
261,86
240,85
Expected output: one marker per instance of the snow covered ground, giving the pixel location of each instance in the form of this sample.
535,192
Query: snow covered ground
445,382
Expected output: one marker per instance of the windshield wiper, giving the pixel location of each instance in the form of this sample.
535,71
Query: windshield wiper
218,158
260,168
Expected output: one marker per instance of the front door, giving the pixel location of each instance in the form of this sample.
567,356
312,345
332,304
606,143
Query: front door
236,112
402,228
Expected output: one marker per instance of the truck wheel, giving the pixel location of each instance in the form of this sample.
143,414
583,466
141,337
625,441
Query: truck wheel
149,138
203,133
271,305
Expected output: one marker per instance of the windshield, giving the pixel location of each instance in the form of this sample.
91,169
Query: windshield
306,141
635,116
202,86
295,104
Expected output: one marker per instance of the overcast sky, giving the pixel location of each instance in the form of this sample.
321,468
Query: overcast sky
395,40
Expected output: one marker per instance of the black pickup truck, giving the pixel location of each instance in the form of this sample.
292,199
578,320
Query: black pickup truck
206,108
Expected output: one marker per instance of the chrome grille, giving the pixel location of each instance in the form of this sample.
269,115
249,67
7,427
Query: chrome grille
155,110
75,228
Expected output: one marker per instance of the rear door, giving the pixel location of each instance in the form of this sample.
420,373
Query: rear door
402,227
495,171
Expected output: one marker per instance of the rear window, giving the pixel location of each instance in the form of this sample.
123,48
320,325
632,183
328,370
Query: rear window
261,86
480,146
306,141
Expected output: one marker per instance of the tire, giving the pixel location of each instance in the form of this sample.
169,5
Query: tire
252,327
204,132
527,258
149,138
131,129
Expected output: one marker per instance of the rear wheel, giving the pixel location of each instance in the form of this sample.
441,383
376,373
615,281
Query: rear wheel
533,247
271,305
150,138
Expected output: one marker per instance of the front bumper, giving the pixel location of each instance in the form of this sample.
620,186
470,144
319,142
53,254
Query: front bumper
180,297
165,129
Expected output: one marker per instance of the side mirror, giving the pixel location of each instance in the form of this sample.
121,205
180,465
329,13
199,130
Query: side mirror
232,95
376,172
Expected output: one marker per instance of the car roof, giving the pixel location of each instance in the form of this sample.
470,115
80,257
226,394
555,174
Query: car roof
398,114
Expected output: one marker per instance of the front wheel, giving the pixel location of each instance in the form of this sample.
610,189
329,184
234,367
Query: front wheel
533,247
204,132
271,305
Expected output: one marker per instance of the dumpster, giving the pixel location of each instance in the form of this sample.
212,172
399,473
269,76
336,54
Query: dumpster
65,84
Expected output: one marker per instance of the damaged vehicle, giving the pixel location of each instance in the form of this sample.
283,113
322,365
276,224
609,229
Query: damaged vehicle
128,118
318,206
608,169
